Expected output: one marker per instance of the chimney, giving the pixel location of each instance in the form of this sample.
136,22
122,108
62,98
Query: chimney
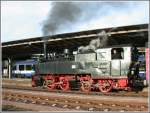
45,49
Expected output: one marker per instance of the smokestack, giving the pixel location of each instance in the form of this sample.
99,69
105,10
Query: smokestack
45,49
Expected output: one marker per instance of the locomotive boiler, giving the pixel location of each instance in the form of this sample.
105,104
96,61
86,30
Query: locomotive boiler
104,69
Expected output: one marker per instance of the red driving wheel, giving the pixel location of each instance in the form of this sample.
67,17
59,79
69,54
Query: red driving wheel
64,83
50,82
105,85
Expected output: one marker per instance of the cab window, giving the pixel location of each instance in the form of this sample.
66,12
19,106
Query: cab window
117,53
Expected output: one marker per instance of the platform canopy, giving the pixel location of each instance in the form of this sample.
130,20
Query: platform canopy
20,49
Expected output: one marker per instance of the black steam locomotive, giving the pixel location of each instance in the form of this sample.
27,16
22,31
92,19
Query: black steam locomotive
108,68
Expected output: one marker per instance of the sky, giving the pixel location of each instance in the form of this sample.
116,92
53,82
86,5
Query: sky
24,19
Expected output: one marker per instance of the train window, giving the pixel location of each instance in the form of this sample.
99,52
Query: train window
21,67
28,67
117,53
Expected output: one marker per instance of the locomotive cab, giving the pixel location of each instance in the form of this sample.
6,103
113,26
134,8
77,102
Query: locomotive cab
118,60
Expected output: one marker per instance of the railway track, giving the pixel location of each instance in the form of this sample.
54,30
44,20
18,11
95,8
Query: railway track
76,101
118,93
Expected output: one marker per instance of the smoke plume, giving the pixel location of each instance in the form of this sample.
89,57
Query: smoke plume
101,41
70,15
61,13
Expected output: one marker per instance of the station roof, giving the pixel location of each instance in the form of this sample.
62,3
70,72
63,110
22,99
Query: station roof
133,34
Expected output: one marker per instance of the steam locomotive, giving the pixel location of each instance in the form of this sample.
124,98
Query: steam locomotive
105,69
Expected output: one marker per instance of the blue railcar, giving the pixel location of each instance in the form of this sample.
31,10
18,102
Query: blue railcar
24,68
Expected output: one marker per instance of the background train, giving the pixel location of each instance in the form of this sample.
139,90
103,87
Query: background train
23,69
104,69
